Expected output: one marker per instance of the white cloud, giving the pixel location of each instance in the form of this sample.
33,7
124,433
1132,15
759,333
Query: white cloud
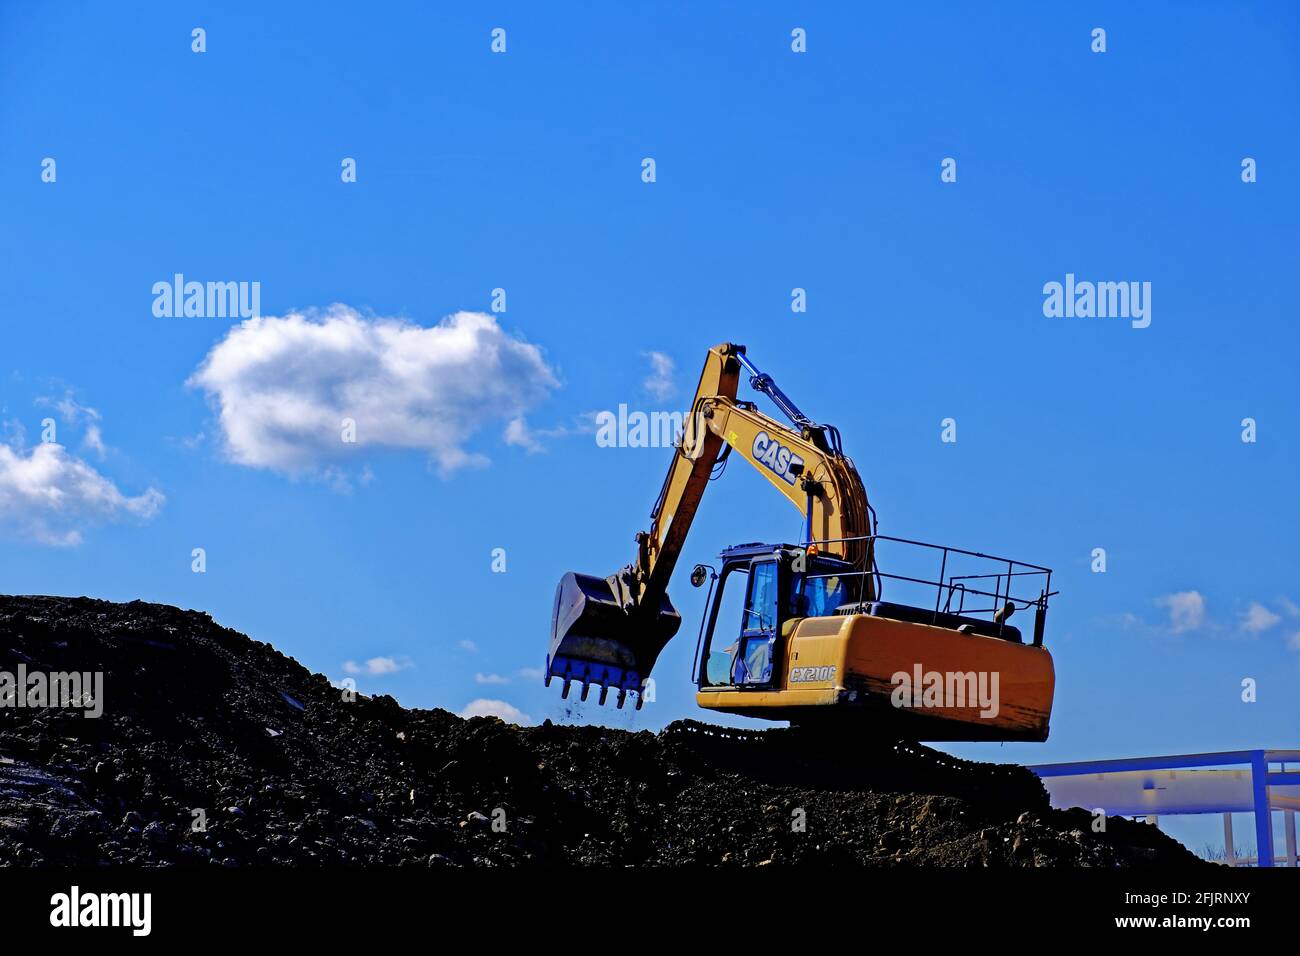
518,433
1258,619
1186,610
51,495
282,386
377,666
74,413
659,382
467,645
532,673
490,679
1293,642
482,707
522,435
94,440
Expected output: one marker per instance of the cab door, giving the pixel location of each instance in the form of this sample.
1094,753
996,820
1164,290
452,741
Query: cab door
758,628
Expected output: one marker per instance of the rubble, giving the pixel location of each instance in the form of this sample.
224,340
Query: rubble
213,749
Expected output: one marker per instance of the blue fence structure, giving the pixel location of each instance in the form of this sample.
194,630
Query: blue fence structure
1225,782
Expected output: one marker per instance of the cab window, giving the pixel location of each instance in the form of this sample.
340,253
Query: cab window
733,590
760,608
822,594
758,629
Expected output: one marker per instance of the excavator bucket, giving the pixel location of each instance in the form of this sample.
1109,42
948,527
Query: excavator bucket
595,641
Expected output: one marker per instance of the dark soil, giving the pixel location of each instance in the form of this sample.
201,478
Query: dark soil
286,771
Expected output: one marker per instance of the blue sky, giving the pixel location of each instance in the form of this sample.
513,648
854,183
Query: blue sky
775,170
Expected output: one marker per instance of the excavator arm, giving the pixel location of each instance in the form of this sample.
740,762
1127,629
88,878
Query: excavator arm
610,631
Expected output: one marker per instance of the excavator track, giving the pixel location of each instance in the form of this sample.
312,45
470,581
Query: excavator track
803,756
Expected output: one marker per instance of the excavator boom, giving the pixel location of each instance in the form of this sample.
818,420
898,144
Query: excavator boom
608,632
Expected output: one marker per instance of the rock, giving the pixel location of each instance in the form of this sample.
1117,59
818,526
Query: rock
194,723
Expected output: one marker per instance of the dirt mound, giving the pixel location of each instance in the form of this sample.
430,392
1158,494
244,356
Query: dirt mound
214,749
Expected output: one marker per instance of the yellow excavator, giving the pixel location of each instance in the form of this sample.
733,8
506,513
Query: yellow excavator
817,643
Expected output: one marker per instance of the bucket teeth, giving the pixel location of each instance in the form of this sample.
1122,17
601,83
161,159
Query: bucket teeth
595,639
622,698
604,691
639,701
586,689
564,694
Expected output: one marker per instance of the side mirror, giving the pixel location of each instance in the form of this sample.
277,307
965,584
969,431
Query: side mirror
699,574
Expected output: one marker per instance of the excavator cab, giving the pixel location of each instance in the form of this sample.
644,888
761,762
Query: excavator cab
759,591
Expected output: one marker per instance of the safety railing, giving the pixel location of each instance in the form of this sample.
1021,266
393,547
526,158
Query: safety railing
1010,579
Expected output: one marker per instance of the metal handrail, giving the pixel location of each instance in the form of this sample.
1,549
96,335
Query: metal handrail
925,544
954,583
